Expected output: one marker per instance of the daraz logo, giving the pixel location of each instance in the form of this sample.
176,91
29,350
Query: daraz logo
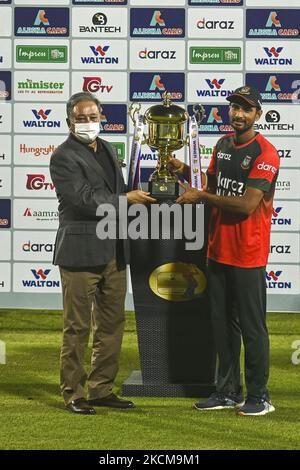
156,83
273,20
156,19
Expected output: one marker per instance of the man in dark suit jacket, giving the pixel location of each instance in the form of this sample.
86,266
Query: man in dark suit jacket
86,174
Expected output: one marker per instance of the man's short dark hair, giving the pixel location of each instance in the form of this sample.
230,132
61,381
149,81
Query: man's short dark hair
82,96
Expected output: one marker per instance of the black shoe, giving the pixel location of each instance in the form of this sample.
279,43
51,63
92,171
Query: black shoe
81,407
111,400
218,401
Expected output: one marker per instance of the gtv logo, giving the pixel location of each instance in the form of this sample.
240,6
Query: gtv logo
274,282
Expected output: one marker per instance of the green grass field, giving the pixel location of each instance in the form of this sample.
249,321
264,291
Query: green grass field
32,414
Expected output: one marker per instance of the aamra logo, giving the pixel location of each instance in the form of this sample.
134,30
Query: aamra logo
94,85
41,119
41,19
157,19
156,84
27,212
273,20
272,84
214,116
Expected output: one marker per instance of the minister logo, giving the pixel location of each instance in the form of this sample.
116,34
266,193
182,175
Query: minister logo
274,88
147,22
146,86
43,23
275,24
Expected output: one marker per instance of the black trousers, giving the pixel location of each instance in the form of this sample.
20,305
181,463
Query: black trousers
238,309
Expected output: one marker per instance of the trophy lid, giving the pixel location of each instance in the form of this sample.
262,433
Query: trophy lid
166,112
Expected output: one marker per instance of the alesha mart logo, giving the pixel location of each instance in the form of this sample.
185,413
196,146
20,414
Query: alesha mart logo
272,84
41,25
41,119
156,84
274,57
94,85
41,19
40,279
214,116
42,54
273,20
157,19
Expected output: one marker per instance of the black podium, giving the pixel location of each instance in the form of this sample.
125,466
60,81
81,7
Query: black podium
175,338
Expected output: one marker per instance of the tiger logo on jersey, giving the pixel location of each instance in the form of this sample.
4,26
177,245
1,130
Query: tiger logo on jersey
246,162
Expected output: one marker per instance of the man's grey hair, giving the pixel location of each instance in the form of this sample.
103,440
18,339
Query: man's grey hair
82,96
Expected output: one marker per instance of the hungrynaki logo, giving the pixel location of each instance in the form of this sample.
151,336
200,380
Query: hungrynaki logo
38,182
36,151
94,85
99,55
216,120
275,88
113,119
151,87
51,22
223,3
147,22
270,23
42,119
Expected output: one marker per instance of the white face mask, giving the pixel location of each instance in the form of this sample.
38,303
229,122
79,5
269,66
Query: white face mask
87,131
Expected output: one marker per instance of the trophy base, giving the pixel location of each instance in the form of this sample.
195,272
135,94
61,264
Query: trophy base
164,191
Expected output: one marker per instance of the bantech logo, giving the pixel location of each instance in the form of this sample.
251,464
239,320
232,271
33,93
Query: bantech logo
114,119
271,23
148,22
275,88
52,22
274,122
5,86
100,24
41,119
151,87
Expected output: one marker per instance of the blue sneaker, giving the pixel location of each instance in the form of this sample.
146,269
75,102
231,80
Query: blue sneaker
255,406
218,401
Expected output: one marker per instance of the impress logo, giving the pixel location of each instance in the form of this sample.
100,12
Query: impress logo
215,55
37,183
150,87
42,54
41,119
39,22
147,22
270,23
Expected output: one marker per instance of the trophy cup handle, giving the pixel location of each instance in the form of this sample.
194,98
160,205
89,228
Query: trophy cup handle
134,109
199,112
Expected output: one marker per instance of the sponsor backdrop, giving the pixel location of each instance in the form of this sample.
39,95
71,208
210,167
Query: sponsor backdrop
124,51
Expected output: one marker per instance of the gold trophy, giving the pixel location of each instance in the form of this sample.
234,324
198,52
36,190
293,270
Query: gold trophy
166,134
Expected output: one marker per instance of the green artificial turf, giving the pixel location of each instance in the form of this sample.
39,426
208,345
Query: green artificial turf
32,414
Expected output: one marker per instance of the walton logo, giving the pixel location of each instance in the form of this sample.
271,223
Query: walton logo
276,220
273,20
273,57
99,56
37,182
41,19
215,83
41,117
40,279
215,89
157,20
273,281
156,84
214,116
272,84
94,85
